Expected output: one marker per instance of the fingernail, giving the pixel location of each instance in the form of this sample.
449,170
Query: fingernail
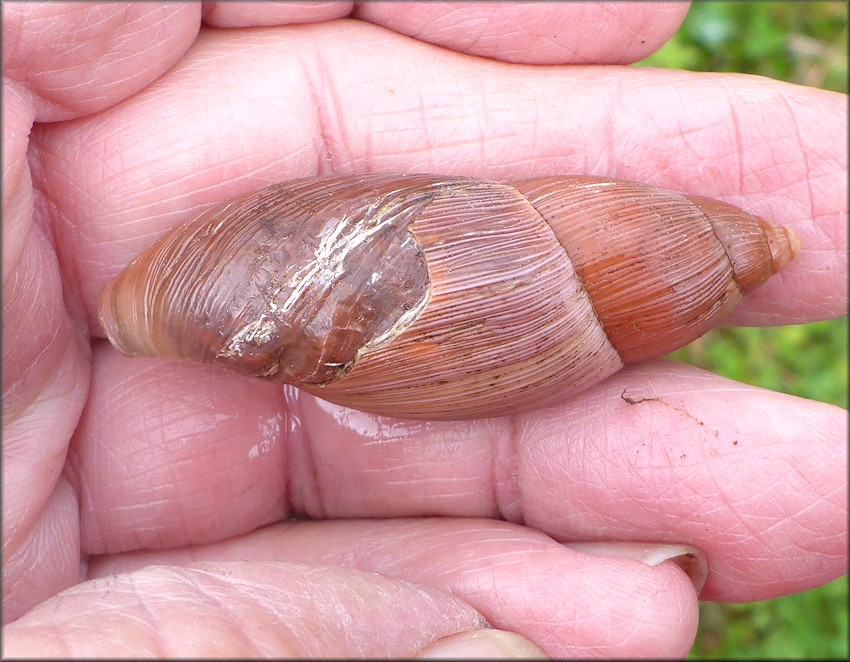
688,558
483,644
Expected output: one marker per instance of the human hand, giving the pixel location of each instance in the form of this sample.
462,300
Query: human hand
113,465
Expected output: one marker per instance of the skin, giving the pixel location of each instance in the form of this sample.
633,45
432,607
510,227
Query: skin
148,505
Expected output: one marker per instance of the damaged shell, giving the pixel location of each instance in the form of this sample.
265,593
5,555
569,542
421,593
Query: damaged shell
421,296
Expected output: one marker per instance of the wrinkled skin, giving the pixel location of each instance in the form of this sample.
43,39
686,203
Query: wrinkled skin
148,505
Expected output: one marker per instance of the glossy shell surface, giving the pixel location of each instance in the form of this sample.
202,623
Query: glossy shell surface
441,297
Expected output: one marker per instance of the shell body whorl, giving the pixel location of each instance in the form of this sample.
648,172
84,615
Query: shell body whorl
441,297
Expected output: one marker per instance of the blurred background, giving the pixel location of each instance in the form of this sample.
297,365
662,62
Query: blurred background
804,43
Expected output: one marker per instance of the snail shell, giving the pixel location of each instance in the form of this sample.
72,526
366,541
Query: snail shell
421,296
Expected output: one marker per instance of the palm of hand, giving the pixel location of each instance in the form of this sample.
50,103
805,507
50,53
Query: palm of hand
114,464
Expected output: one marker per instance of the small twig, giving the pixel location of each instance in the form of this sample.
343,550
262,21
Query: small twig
635,401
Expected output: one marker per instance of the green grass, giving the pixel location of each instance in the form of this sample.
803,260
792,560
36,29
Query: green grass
810,625
799,42
808,360
804,43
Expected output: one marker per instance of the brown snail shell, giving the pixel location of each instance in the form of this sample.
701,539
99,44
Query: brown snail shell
421,296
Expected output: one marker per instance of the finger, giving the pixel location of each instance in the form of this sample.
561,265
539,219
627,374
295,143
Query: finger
654,454
17,184
257,14
62,60
172,444
45,377
242,610
535,32
59,61
718,136
45,381
77,59
571,604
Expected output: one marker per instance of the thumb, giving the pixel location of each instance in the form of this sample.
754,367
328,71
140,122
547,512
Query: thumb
256,609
